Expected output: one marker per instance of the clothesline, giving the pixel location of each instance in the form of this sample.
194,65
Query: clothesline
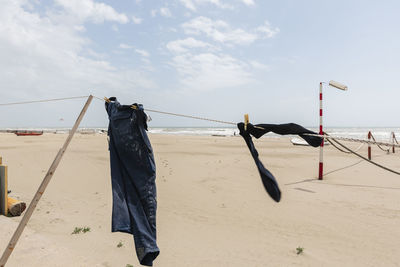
180,115
101,99
43,100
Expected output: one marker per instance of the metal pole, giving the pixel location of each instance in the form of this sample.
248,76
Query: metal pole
369,145
14,239
321,132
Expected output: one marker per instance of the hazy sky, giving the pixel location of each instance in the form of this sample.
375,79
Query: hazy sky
211,58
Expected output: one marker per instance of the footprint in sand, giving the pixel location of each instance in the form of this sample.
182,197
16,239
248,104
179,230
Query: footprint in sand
56,220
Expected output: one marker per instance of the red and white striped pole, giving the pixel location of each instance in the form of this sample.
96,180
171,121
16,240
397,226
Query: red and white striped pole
393,138
321,132
369,145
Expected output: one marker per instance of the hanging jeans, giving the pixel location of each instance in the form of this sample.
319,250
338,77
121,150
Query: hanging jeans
133,174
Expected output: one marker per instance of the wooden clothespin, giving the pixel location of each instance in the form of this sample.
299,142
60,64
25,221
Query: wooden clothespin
246,121
107,100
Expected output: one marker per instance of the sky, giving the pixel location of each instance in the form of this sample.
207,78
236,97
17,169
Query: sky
209,58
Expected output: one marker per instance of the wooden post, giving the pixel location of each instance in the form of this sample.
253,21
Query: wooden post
42,188
369,145
393,138
3,189
246,121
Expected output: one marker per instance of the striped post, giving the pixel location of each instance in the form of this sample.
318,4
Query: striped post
369,145
321,132
393,138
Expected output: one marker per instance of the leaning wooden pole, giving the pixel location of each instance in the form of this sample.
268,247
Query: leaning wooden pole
28,213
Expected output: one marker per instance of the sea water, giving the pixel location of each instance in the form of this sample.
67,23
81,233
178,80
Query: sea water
380,133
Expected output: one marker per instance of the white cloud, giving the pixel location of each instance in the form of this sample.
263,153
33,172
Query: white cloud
184,45
222,32
193,4
189,4
125,46
92,11
202,66
137,20
40,56
259,66
208,71
248,2
143,53
219,31
165,12
267,30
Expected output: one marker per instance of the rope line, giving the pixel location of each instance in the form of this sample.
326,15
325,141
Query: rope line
395,139
43,100
357,149
341,150
191,117
364,158
182,115
386,150
355,140
98,98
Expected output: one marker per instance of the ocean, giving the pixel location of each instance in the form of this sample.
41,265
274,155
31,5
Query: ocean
380,133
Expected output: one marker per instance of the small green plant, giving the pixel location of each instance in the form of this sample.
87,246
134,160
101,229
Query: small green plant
129,265
120,244
299,250
77,230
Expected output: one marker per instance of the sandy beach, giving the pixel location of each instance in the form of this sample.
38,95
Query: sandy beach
212,207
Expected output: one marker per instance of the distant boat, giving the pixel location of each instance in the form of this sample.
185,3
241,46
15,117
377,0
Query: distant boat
302,142
299,142
28,133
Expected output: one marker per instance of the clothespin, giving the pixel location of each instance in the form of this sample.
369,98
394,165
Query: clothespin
246,121
107,100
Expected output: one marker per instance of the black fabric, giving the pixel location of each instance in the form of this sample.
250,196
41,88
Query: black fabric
133,174
258,130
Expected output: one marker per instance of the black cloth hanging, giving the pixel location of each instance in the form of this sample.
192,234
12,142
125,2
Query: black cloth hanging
258,130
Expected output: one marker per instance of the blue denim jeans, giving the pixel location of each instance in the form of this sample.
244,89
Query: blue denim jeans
133,174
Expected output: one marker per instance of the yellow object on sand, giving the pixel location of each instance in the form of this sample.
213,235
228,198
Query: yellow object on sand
8,205
15,207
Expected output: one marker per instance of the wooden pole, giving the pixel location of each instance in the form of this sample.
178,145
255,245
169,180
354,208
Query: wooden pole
393,138
3,189
14,239
369,145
